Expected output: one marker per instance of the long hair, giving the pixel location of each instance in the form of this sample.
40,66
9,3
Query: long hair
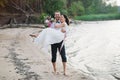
66,19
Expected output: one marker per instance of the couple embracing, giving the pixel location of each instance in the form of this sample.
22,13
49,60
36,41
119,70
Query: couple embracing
55,36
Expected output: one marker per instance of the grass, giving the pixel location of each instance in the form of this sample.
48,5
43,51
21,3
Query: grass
97,17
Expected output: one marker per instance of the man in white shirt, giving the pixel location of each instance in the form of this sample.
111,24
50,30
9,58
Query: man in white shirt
57,46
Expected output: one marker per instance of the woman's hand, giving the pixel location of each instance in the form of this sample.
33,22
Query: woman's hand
62,30
59,25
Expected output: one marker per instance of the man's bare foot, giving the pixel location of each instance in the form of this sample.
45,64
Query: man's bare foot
33,35
56,73
65,74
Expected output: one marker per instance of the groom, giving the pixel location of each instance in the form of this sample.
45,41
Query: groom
56,46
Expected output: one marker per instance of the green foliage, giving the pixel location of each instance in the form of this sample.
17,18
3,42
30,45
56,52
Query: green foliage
39,19
86,4
64,11
111,9
53,5
42,17
76,8
97,7
94,17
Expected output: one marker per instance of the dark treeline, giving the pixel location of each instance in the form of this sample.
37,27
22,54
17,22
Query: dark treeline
41,7
70,7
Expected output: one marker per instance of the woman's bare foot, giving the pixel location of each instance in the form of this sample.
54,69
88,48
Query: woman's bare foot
33,35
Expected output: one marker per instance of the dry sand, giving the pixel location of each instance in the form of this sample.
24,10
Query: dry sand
20,59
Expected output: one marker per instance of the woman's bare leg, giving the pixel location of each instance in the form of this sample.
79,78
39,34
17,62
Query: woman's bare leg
34,35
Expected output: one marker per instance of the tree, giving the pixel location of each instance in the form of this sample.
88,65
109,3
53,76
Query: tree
95,7
86,4
3,3
76,8
50,6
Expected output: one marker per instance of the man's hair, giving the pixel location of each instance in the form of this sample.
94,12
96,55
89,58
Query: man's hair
57,12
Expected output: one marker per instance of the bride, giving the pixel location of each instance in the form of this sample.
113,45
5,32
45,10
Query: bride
52,35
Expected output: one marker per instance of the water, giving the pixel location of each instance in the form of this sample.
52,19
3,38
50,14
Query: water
94,48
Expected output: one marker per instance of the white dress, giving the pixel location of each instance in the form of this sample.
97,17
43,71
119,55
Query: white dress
50,36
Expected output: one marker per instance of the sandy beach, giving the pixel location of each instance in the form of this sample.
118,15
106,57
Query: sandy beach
21,60
92,50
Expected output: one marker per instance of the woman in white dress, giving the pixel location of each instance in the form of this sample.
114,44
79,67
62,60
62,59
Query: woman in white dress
54,35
